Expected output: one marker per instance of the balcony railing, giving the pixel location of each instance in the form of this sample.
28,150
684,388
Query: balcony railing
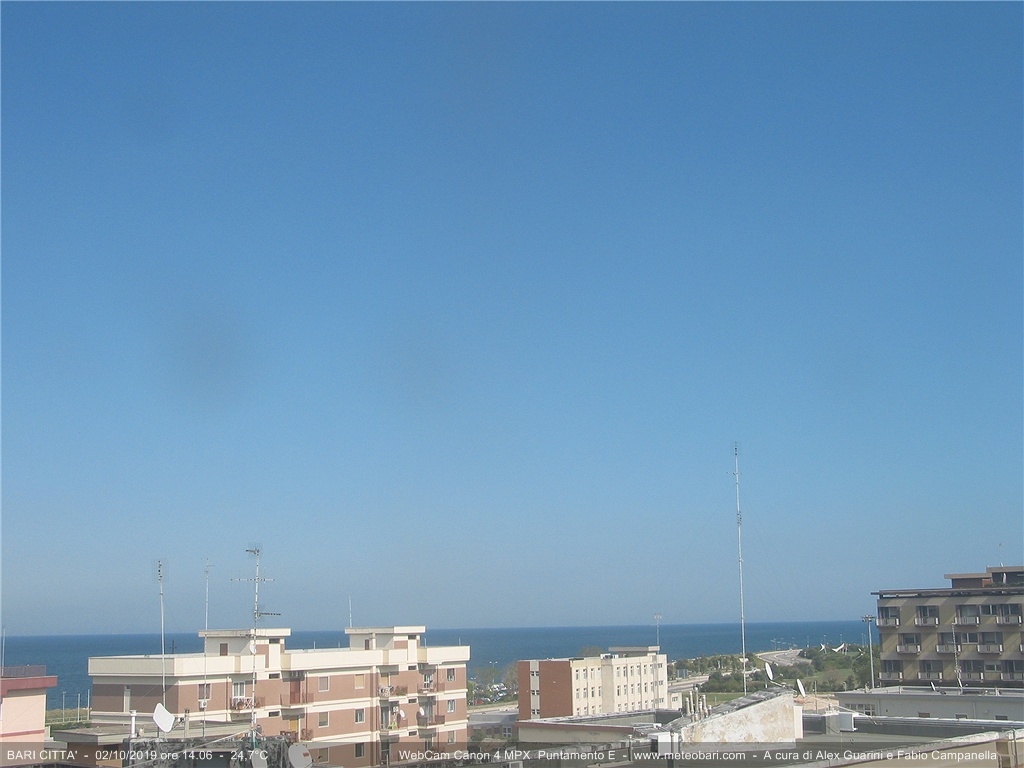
246,702
392,691
929,675
968,620
927,621
947,648
306,734
889,622
972,675
295,699
890,675
1008,619
908,648
990,648
31,671
1012,676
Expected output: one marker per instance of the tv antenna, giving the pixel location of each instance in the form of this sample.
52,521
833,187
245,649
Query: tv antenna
163,658
257,614
657,629
739,544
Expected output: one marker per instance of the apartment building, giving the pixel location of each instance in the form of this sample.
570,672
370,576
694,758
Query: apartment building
966,634
351,706
23,712
626,679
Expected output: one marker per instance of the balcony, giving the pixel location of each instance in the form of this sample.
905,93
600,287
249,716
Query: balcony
947,648
1008,619
973,675
246,702
890,675
295,699
909,648
1011,676
306,734
990,648
929,675
890,622
927,621
968,620
392,691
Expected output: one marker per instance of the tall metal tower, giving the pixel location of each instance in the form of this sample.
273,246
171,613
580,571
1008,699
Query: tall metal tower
739,544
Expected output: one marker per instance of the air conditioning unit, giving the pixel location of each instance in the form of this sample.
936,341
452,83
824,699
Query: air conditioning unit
203,703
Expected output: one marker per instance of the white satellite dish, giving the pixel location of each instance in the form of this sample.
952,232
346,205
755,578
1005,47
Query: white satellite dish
800,687
164,720
933,687
258,758
401,713
423,712
768,671
299,757
252,647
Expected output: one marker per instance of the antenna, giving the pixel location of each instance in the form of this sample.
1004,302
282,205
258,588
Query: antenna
206,627
739,544
257,614
657,629
350,611
163,658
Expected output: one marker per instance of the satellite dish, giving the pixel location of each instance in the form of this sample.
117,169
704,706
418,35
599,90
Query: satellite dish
768,671
164,720
933,687
800,687
299,757
258,758
423,712
252,647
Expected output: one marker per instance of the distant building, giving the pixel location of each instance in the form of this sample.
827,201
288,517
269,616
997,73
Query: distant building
626,679
351,706
23,710
966,634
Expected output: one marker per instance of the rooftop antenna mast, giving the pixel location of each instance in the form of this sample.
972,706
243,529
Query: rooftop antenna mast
163,658
739,544
350,611
206,626
257,614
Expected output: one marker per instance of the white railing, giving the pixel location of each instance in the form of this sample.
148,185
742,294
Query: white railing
1008,619
967,620
909,648
890,622
990,648
929,675
927,621
947,648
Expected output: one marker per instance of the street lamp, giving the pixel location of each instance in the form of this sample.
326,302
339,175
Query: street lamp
869,619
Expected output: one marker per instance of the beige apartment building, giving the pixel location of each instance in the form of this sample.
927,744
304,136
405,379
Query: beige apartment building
23,713
353,706
966,634
626,679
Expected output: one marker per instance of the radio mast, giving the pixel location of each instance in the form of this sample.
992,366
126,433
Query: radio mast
739,545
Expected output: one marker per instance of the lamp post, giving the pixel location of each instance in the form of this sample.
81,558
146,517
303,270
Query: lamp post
869,619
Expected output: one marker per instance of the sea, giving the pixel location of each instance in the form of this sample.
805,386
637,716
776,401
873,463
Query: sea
66,656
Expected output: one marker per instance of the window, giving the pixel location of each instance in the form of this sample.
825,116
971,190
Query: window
325,683
451,705
325,719
204,690
360,715
238,690
451,675
451,736
360,681
360,750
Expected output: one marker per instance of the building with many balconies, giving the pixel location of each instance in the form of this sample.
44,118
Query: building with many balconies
966,634
351,706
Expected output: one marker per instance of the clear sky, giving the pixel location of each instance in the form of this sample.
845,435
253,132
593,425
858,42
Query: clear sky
458,309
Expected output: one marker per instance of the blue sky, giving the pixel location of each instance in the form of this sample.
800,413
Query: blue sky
458,309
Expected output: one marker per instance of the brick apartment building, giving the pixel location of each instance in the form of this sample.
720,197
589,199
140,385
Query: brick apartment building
352,706
968,633
626,679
